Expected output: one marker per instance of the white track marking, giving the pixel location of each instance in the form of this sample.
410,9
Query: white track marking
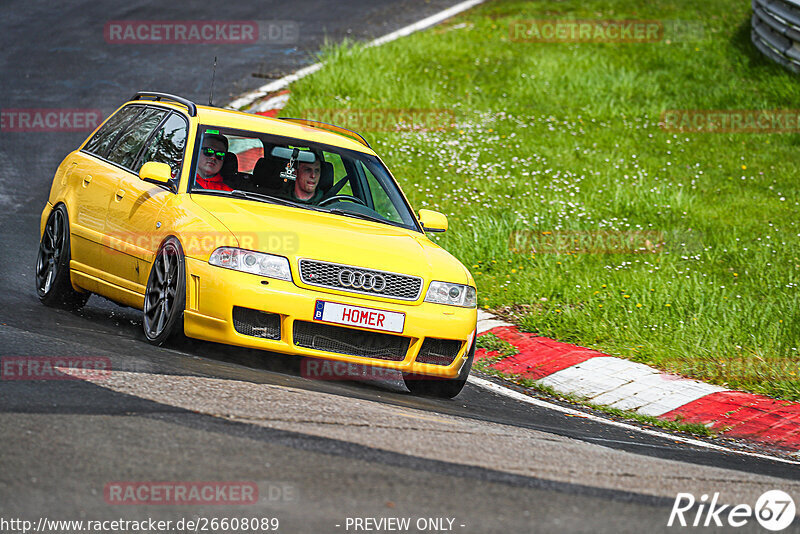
271,87
486,325
628,385
276,102
496,388
426,23
487,321
619,383
277,85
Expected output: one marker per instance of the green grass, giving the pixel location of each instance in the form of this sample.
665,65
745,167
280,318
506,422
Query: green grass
564,138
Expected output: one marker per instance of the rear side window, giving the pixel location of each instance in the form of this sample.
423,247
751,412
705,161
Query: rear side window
127,147
100,142
167,144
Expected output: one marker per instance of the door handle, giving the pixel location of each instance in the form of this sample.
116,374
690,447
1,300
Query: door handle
120,194
87,180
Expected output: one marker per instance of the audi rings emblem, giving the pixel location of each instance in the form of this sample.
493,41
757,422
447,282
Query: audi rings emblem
359,280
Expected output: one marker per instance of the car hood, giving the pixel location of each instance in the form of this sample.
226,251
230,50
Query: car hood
298,233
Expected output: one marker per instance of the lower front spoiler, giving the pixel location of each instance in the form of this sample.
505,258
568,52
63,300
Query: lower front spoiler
222,331
213,292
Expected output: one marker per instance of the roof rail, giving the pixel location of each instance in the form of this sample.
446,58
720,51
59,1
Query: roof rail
329,127
158,96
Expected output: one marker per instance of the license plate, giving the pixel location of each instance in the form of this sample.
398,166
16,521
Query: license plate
333,312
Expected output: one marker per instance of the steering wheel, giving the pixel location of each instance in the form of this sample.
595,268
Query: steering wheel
341,197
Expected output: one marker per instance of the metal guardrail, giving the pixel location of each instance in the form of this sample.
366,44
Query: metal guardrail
776,31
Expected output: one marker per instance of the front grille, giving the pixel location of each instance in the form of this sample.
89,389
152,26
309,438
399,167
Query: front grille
438,351
256,323
350,341
323,274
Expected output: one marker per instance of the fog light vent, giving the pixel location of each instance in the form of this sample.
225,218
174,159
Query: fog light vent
257,323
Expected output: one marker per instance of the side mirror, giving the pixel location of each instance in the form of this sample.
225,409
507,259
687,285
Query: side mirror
433,221
157,173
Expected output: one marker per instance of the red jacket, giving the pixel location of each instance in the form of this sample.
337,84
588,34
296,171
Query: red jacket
215,182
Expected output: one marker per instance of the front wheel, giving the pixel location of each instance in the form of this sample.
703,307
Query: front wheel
445,388
53,283
165,296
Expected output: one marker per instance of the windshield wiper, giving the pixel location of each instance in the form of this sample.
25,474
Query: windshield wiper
359,215
256,196
266,198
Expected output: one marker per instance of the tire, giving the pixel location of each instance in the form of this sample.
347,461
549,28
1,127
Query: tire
165,296
53,284
443,388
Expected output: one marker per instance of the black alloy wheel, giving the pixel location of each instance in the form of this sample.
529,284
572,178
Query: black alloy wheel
53,284
165,296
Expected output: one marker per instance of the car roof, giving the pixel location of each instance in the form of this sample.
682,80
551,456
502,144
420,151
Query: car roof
228,118
305,129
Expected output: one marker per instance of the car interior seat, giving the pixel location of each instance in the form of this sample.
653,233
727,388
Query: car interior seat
326,176
230,170
266,174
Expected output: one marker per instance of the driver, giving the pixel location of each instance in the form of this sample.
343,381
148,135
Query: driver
209,163
304,189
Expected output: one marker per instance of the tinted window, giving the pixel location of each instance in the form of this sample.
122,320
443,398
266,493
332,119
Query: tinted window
127,147
167,144
100,142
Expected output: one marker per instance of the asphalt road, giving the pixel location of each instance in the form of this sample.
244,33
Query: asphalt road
319,452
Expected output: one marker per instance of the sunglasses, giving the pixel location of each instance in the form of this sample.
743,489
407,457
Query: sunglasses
211,153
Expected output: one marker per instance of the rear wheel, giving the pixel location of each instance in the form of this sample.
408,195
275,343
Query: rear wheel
165,296
53,283
445,388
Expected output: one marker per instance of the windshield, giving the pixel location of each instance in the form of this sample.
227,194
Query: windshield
266,168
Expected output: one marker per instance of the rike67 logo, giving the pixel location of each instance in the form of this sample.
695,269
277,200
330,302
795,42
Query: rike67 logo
774,511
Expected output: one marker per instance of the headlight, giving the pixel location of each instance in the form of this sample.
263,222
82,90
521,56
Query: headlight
452,294
247,261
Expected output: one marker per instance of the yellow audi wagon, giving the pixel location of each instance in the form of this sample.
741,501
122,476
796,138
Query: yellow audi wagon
286,235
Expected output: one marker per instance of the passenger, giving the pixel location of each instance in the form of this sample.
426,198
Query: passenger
209,163
304,188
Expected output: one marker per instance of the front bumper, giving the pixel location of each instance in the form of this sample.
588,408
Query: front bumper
212,293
